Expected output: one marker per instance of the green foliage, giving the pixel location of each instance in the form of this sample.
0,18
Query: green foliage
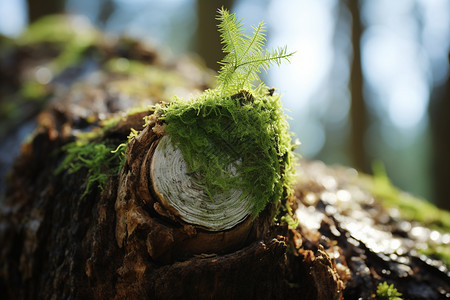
150,73
93,152
33,90
227,125
99,159
213,132
410,208
413,209
60,30
440,252
244,57
387,292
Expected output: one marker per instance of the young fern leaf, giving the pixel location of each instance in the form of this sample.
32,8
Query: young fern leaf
245,57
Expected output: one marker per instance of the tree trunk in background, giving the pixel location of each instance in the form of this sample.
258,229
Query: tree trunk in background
38,9
107,9
208,38
439,112
358,110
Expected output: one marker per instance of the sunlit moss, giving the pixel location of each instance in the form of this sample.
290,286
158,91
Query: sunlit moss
410,207
143,80
99,158
441,252
33,90
387,292
111,122
72,35
249,131
96,154
413,209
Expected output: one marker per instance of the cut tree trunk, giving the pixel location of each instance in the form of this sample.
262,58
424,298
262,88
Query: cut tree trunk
120,241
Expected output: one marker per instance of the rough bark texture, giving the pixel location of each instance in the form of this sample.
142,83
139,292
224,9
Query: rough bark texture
119,243
114,244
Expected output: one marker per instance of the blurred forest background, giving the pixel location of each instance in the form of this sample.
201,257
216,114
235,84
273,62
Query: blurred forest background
369,82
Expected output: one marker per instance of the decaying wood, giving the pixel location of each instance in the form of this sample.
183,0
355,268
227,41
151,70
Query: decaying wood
120,243
115,244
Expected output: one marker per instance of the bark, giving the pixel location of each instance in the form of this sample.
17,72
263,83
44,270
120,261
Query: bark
115,244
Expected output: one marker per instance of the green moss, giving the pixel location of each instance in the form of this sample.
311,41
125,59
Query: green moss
151,73
440,252
249,131
33,90
96,154
60,31
55,29
99,158
143,81
288,217
410,207
387,292
413,209
221,127
111,122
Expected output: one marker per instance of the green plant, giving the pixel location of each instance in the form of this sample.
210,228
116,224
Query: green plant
410,207
244,57
237,124
93,152
387,292
58,31
98,158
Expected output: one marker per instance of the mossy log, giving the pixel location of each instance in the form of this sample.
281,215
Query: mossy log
66,235
121,243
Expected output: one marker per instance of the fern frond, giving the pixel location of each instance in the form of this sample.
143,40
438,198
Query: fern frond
232,36
256,43
263,62
245,57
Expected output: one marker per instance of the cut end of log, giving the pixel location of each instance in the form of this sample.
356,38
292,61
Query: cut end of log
182,192
171,208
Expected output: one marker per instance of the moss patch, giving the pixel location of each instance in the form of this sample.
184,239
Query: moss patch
100,159
410,207
247,130
60,30
387,292
413,209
